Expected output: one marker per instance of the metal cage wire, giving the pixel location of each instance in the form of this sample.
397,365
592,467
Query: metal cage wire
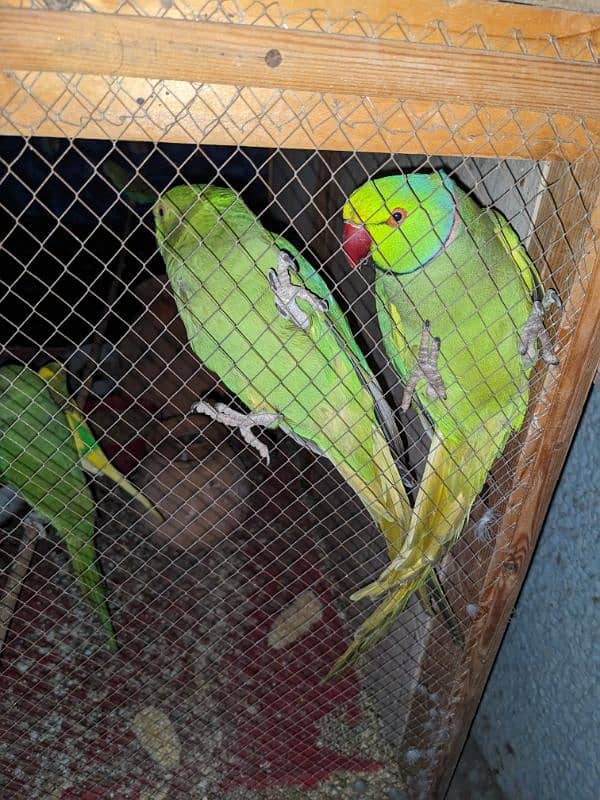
229,614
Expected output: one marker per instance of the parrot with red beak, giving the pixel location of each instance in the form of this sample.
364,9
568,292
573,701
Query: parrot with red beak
460,307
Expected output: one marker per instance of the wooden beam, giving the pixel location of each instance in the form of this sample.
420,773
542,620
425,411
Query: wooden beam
99,107
135,109
477,24
244,55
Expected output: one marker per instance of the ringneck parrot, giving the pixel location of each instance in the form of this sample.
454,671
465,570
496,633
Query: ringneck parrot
460,308
92,458
259,316
38,458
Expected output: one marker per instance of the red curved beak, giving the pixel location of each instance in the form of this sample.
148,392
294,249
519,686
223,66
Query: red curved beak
356,242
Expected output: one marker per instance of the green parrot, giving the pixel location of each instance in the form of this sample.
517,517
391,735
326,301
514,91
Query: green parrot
271,330
39,459
460,307
92,458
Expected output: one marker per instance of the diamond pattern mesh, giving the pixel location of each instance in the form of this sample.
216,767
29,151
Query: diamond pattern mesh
230,612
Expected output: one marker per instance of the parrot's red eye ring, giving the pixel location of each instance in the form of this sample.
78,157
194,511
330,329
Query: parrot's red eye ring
397,217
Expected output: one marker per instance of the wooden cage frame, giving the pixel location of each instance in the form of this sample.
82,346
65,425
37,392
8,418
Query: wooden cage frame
510,55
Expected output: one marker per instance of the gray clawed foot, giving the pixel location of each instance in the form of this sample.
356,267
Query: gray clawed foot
287,294
534,330
242,422
426,369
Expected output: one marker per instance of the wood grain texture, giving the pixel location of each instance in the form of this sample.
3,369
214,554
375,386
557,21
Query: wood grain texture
246,55
92,106
477,24
100,107
552,421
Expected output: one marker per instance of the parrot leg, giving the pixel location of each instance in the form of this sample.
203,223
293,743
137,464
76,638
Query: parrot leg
287,294
243,422
534,329
426,369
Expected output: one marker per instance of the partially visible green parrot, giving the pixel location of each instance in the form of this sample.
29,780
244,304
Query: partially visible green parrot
460,307
274,334
129,185
92,458
39,459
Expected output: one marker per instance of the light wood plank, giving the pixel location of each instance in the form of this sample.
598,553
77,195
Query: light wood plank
49,104
477,24
245,55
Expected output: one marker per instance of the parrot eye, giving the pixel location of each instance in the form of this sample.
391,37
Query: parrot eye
161,211
397,217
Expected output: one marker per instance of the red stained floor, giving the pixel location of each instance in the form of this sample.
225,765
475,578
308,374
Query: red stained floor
244,712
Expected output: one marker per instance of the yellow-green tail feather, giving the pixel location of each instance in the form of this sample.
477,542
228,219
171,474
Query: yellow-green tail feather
374,628
91,454
454,475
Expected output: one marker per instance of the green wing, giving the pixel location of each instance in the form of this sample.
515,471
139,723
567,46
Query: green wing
512,245
39,459
127,183
338,324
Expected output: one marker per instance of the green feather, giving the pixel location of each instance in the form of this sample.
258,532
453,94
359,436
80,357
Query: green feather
131,186
39,459
218,258
466,273
339,327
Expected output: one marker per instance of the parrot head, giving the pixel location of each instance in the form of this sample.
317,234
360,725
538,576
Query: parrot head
50,370
170,210
401,221
200,210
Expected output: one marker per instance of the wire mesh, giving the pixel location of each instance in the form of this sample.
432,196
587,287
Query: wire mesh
230,612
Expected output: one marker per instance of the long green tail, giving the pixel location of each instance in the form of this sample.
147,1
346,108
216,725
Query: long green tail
374,628
384,495
454,475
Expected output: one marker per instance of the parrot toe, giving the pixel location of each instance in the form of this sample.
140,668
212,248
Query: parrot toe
534,330
242,422
426,369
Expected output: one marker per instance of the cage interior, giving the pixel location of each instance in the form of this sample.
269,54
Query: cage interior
231,611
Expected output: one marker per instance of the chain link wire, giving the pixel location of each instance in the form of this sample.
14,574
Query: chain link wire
231,611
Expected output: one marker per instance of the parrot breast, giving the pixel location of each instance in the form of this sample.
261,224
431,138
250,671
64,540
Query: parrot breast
357,243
